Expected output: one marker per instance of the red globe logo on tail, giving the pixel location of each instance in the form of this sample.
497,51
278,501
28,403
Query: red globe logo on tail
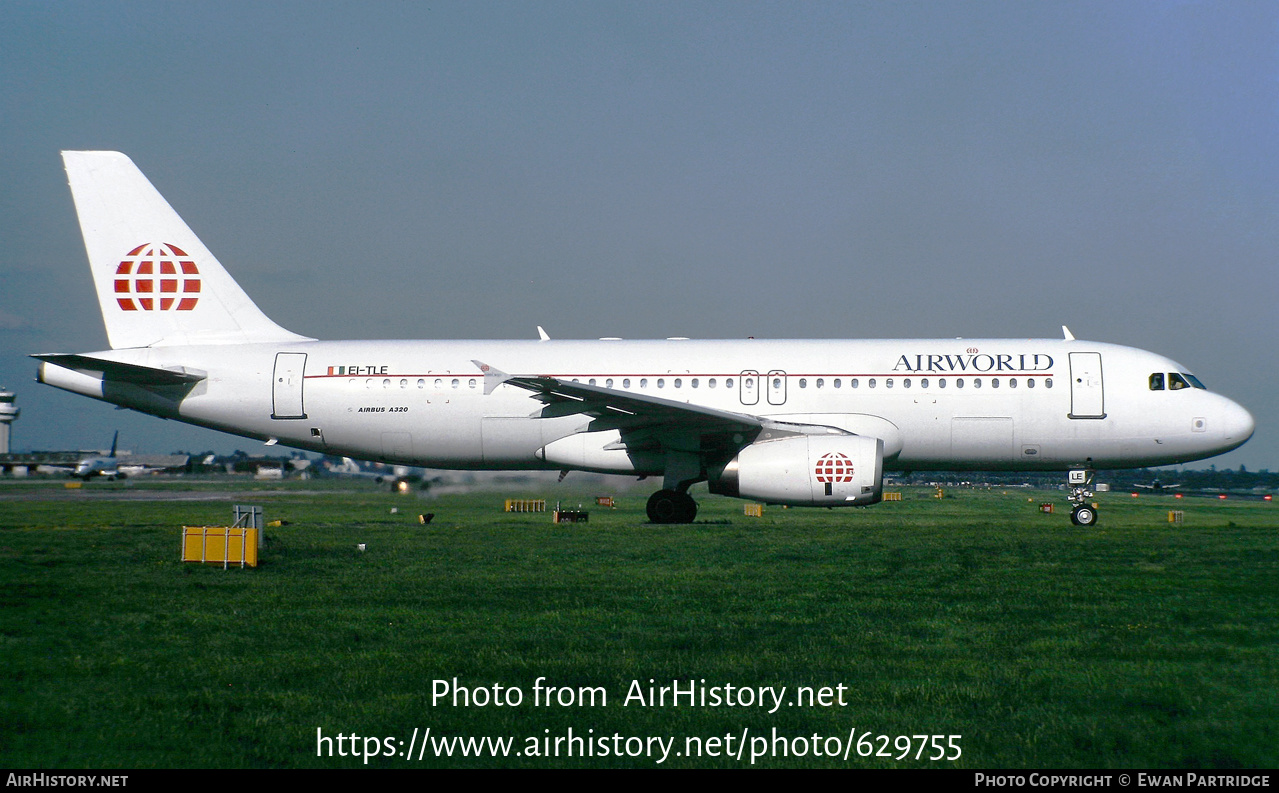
834,467
157,277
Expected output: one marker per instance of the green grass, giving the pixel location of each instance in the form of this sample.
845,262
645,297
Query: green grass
1130,644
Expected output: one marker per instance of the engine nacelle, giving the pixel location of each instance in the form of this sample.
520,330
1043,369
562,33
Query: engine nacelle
808,471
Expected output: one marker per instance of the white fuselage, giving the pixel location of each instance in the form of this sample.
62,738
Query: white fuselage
970,404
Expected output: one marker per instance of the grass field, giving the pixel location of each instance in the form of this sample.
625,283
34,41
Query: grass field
1134,643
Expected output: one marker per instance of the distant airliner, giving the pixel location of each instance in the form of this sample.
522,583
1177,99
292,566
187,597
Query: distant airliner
108,466
97,465
803,422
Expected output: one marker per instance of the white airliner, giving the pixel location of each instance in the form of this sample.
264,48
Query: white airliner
798,422
97,465
110,466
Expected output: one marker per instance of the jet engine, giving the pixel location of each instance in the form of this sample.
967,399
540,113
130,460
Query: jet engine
807,470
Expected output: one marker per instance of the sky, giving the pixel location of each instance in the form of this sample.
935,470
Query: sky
645,170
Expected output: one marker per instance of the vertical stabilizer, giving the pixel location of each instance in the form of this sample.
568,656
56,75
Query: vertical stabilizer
157,284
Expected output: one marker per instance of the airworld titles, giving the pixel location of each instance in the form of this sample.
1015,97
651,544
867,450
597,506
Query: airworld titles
687,693
1033,362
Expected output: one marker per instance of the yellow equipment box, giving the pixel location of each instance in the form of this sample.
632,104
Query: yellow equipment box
224,545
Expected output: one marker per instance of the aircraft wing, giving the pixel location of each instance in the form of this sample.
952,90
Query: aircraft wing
564,398
648,421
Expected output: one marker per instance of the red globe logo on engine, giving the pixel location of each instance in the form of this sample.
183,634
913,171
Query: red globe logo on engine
157,277
834,467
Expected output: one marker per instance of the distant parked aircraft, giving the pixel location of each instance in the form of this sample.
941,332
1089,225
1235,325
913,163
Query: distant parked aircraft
109,466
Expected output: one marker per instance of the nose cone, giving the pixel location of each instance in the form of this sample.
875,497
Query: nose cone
1237,425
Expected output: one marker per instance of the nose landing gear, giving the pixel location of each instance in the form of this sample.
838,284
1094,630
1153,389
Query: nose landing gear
1083,515
1080,482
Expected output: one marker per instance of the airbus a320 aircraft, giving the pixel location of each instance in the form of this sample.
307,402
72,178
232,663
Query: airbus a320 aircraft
806,423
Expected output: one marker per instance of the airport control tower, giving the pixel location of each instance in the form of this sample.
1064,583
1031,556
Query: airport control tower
8,414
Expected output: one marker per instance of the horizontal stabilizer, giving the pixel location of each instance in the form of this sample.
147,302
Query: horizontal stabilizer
123,372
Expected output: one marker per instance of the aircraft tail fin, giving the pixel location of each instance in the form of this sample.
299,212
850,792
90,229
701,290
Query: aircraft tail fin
114,438
157,284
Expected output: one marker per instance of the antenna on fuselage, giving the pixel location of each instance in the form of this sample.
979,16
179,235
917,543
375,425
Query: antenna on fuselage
1066,332
542,335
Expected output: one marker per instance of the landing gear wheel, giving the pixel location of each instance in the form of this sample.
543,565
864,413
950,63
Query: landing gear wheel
1083,515
671,506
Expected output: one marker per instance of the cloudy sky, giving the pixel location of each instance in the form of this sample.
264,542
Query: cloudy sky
792,170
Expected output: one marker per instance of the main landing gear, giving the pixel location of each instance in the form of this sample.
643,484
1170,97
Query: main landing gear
671,506
1080,482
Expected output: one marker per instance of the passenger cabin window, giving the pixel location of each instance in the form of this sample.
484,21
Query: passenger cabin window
1157,381
1176,382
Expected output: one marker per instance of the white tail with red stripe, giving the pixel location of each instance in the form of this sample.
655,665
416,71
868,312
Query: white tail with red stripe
157,284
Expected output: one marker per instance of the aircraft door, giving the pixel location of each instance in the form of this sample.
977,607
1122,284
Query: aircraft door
1087,399
777,387
748,387
286,386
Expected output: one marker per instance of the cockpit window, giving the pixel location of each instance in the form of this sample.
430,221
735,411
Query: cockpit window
1194,381
1176,382
1157,381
